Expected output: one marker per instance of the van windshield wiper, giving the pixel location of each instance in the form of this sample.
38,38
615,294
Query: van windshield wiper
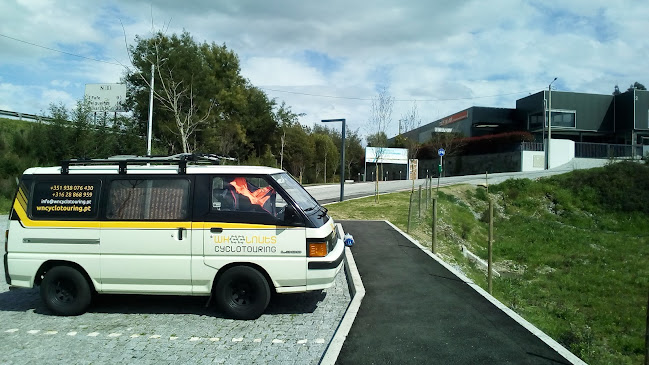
323,213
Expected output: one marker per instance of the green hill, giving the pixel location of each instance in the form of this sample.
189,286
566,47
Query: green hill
24,144
14,136
572,251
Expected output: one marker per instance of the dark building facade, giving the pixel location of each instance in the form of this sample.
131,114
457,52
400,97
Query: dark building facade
581,117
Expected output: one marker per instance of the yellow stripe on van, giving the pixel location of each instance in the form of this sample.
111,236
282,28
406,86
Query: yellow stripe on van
145,224
27,222
208,225
21,198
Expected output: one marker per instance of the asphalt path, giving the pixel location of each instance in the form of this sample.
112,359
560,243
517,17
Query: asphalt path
415,311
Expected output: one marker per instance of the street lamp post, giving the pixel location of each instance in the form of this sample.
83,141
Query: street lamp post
547,160
342,156
150,124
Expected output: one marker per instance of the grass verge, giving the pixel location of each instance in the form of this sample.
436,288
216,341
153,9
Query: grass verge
569,265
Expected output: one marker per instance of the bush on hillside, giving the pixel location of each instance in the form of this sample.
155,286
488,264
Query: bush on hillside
618,187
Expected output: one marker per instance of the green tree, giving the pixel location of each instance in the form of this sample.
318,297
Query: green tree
379,139
299,151
202,101
285,118
636,85
81,131
327,157
354,153
58,142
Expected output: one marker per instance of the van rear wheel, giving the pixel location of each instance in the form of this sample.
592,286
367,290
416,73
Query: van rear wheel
65,291
242,292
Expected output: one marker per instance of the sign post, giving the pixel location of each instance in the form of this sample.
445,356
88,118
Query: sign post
441,154
106,97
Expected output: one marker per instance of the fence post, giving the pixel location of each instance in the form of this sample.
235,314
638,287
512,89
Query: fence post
490,244
646,337
434,243
426,194
409,213
419,203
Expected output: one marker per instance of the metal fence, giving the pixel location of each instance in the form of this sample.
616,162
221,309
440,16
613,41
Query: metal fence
594,150
531,146
606,150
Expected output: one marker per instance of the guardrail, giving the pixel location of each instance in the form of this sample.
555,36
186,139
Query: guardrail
22,116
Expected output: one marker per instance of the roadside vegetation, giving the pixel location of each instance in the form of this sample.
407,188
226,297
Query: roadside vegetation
572,251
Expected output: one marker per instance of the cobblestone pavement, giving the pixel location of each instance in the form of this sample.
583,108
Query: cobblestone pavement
134,329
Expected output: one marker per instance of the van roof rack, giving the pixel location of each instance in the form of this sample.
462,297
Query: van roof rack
123,161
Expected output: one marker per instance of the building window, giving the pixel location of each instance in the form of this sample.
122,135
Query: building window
150,199
563,119
560,119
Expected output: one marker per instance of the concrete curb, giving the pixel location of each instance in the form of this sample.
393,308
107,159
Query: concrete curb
520,320
357,290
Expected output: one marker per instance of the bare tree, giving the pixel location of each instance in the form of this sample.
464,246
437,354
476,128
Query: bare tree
174,91
379,121
177,96
408,122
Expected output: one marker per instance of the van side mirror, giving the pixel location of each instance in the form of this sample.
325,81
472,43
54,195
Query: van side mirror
291,217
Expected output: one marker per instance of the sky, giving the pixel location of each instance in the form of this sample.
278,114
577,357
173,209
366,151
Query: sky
329,59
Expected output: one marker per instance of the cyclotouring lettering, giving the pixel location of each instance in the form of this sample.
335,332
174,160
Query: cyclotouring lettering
242,240
248,249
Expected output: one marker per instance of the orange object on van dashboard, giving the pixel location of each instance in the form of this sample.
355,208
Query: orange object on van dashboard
258,197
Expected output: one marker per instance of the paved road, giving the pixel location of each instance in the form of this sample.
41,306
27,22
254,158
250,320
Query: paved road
331,193
130,329
415,311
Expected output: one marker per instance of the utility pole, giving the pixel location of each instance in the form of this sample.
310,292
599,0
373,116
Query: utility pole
150,127
547,160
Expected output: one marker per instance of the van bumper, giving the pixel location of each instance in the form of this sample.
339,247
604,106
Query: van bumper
6,267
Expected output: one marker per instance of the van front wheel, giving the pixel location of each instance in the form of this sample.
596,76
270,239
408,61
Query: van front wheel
65,291
242,293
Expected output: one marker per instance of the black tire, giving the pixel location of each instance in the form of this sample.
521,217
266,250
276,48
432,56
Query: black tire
65,291
242,293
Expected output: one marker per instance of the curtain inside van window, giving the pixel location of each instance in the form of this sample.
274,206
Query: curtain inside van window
148,199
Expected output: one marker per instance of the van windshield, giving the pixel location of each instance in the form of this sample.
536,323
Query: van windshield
296,191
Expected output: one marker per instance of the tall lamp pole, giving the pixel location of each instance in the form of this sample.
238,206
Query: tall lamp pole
150,125
547,160
342,157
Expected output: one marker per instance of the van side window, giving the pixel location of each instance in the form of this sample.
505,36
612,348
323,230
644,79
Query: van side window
69,199
246,194
148,199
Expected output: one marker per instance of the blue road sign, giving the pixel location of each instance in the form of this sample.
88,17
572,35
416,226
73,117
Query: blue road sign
441,152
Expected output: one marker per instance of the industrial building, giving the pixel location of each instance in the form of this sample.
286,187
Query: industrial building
580,117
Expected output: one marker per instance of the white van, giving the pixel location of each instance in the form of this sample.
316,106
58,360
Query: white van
150,225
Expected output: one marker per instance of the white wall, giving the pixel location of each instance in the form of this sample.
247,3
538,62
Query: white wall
562,151
532,160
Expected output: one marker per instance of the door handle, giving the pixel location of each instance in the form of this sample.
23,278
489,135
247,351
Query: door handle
216,230
180,234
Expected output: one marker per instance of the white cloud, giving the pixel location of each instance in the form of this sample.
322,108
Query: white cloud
274,71
429,51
